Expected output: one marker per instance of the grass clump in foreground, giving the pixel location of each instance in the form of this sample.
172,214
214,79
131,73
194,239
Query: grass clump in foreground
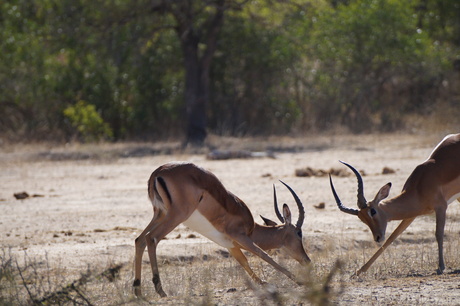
33,282
27,281
314,290
218,280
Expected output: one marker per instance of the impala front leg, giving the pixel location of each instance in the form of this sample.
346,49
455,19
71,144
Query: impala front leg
440,224
249,245
239,256
401,227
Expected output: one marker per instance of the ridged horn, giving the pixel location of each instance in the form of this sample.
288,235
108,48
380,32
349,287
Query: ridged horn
299,205
275,203
347,210
362,203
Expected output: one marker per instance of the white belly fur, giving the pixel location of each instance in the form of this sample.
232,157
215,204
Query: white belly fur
454,197
200,224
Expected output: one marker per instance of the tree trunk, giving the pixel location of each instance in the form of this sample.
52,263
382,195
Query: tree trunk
196,93
197,68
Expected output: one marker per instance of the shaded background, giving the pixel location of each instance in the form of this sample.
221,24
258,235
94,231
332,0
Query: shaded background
177,69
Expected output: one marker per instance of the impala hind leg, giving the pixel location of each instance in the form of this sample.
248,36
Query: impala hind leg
152,249
162,228
140,244
243,261
440,224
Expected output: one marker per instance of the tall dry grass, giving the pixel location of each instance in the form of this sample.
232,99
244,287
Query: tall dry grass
218,280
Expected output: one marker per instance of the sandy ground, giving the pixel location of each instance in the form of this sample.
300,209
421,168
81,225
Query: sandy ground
92,203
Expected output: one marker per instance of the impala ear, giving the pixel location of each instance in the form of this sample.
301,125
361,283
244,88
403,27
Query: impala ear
268,221
383,193
286,214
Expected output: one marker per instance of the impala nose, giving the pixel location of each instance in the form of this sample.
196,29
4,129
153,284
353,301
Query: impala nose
378,238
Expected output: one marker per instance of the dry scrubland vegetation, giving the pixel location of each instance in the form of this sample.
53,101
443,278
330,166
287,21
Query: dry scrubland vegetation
73,243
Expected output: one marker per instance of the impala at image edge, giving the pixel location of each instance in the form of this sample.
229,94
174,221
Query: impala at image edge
185,193
431,187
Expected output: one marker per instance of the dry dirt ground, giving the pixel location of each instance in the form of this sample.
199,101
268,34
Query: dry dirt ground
91,203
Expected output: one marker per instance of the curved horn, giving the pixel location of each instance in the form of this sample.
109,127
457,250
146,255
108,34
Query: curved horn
299,206
275,202
339,203
362,203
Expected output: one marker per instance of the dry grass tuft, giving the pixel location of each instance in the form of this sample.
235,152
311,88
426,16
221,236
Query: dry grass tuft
215,279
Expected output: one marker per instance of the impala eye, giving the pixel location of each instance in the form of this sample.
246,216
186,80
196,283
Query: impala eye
373,212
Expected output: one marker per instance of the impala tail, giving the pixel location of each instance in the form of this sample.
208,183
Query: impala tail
159,194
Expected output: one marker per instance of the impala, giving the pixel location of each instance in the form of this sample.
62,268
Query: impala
185,193
431,187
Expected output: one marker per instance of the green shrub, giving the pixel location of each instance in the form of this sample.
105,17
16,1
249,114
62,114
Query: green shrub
87,122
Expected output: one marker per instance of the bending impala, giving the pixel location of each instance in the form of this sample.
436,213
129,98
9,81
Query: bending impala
430,188
185,193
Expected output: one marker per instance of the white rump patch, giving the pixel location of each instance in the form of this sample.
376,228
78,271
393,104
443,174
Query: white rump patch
158,204
200,224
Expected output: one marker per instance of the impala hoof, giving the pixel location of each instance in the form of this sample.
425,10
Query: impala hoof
160,291
262,282
356,274
162,294
137,291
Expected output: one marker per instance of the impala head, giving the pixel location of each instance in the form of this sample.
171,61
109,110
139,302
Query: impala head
291,242
369,212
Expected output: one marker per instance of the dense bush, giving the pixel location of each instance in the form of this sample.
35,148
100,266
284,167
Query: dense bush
278,66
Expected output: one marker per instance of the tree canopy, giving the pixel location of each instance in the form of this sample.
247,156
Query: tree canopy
158,69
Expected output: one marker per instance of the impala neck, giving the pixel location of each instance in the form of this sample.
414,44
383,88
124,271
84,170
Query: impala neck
404,206
267,237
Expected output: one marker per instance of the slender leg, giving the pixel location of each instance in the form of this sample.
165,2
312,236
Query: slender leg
140,244
239,256
401,227
152,249
440,224
249,245
162,228
140,247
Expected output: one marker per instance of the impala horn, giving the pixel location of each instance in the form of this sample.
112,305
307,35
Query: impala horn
275,202
299,206
362,203
347,210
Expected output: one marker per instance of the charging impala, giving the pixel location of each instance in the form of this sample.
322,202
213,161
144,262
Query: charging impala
185,193
431,187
